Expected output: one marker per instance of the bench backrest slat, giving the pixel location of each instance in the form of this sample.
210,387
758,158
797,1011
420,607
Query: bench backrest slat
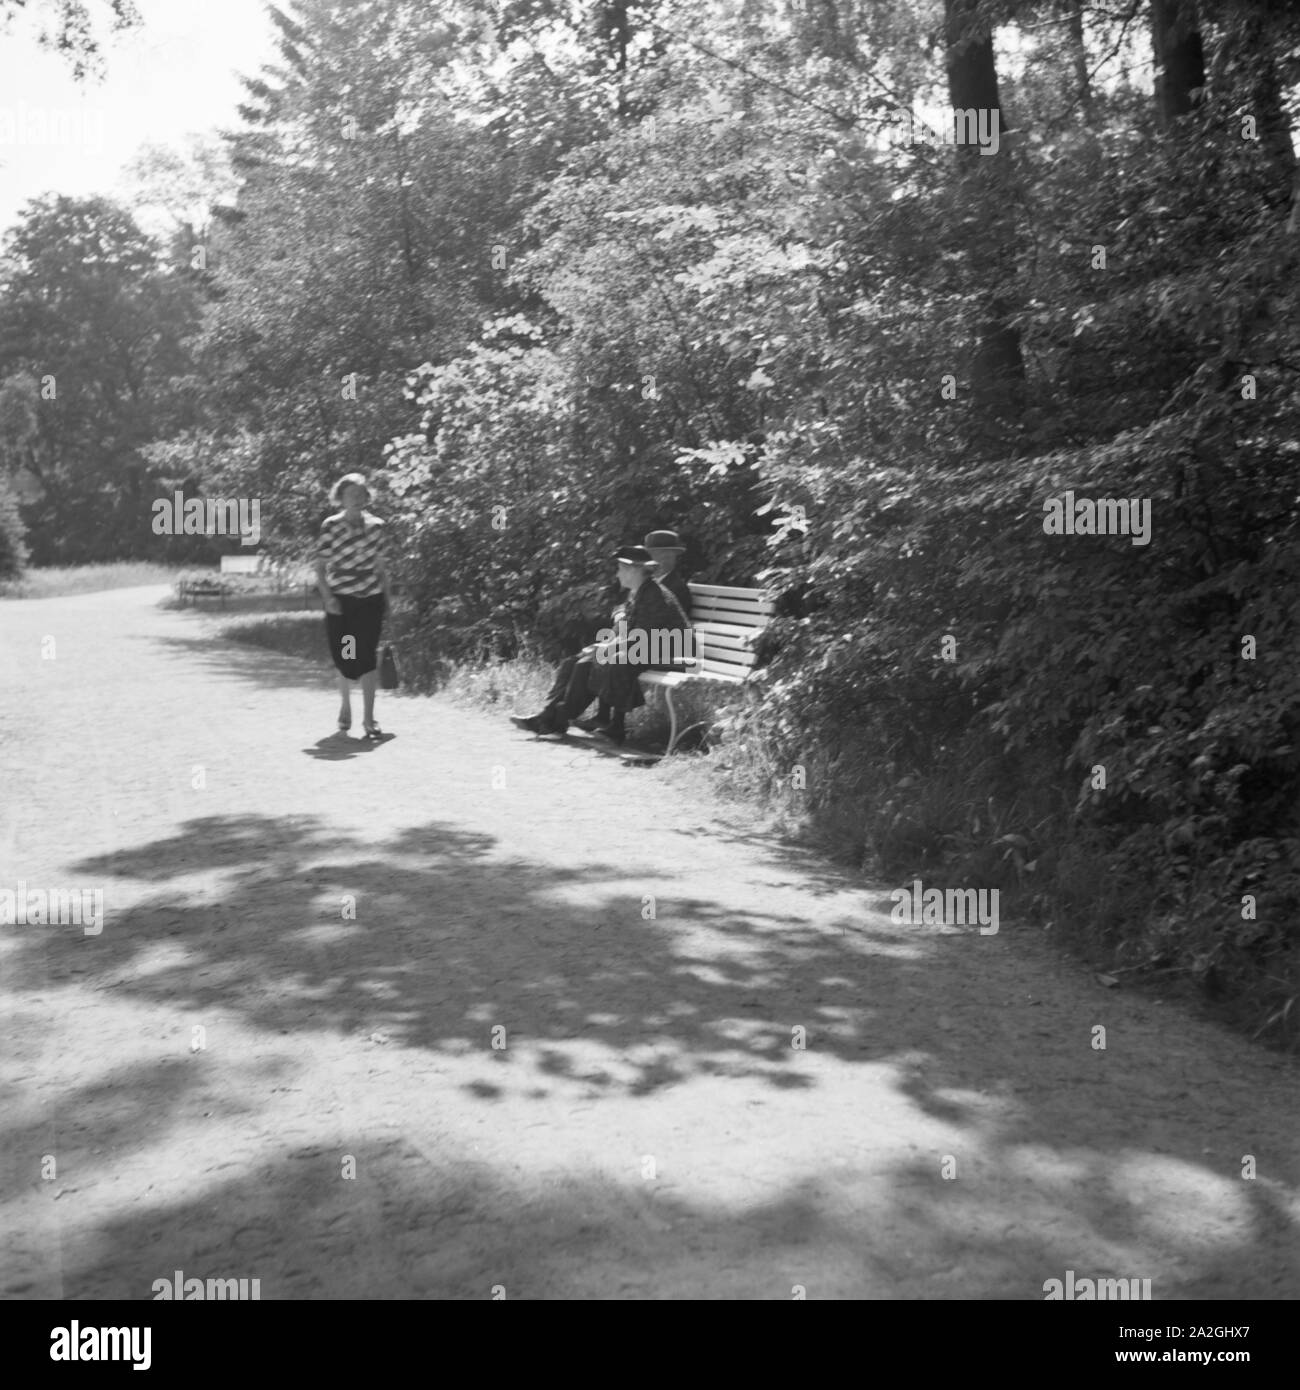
709,663
726,591
727,617
723,640
733,605
744,635
755,604
712,667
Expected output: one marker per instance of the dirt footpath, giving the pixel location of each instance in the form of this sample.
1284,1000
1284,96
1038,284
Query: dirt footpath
471,1010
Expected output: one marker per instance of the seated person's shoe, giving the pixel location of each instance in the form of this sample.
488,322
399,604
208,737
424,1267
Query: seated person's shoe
546,722
615,733
599,722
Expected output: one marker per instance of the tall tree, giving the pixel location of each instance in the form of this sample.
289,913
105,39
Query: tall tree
1179,54
373,229
90,311
997,368
1078,50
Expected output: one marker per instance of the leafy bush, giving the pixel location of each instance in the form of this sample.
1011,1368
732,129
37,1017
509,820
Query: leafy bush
13,548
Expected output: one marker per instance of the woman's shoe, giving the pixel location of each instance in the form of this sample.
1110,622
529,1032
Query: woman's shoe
344,725
373,734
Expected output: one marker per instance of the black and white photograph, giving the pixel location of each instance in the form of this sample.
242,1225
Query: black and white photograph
650,652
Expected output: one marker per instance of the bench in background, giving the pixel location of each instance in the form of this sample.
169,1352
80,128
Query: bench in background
283,577
284,574
243,564
190,590
726,622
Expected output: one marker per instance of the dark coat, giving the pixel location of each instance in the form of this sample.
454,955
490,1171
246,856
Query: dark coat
676,586
652,609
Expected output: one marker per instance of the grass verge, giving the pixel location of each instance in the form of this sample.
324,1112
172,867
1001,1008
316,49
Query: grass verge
58,581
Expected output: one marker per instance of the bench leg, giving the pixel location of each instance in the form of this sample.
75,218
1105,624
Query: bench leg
672,715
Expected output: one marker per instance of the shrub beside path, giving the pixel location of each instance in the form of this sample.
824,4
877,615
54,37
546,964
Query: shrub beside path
646,1128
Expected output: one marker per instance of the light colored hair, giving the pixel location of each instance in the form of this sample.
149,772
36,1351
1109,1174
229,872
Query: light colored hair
348,480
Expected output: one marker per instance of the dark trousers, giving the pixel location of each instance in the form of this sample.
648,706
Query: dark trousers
571,691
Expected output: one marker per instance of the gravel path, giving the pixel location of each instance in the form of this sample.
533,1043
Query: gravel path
236,1078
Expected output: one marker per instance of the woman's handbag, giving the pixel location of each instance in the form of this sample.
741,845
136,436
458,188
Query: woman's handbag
389,675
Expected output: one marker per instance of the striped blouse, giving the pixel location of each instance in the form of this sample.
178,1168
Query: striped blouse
352,557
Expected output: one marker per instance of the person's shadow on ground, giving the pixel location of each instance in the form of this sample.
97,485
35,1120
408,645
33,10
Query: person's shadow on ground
335,748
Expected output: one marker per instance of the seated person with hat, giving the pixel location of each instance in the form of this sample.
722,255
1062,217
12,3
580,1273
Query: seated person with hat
653,624
666,549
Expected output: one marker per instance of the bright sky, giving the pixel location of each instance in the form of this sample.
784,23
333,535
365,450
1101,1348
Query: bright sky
177,74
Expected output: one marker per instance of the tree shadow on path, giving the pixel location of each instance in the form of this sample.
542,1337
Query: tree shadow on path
434,937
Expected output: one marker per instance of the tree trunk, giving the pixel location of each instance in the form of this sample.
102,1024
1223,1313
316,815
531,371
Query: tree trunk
1260,50
998,368
404,208
613,28
1179,58
1079,57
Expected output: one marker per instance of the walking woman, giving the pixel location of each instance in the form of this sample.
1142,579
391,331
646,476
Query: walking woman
353,583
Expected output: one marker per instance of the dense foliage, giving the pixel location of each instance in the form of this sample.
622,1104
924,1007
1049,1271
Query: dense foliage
556,273
93,339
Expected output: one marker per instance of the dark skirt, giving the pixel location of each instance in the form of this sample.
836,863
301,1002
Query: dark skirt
361,619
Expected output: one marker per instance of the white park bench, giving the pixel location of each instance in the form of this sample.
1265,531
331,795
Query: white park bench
726,622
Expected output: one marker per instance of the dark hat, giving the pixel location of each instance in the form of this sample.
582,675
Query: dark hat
663,540
634,555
